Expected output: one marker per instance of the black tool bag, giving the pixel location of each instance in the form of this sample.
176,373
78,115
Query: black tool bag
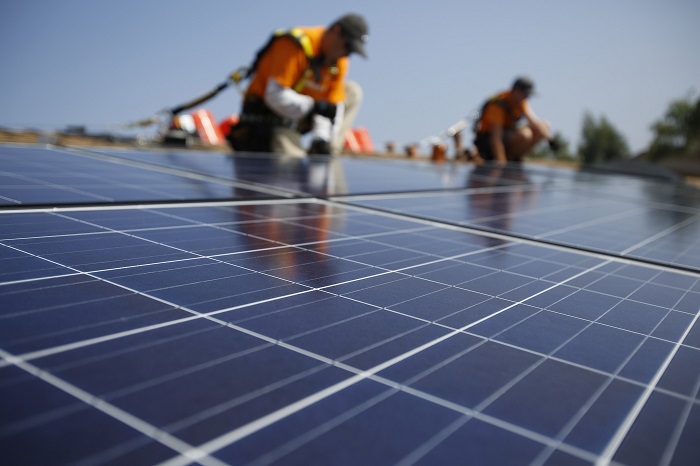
250,137
253,132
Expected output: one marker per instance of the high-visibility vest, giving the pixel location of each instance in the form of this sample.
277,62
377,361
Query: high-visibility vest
504,104
313,69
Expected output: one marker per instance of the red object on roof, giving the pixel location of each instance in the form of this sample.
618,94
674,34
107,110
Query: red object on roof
358,141
227,123
207,129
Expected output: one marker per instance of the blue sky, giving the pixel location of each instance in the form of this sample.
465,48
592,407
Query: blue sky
102,63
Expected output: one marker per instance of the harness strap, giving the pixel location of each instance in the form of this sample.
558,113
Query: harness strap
501,103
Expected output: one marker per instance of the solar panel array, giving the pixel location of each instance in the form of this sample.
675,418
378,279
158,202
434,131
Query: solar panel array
176,307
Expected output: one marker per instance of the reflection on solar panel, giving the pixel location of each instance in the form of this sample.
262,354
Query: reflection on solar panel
184,308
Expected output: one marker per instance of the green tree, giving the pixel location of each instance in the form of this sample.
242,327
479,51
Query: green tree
601,142
678,132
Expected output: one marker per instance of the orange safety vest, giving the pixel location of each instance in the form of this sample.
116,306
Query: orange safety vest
297,69
499,109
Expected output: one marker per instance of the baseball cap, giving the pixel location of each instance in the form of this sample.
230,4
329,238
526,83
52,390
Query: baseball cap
355,29
525,84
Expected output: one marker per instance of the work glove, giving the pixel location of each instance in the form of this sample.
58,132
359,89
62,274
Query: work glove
326,109
554,145
319,146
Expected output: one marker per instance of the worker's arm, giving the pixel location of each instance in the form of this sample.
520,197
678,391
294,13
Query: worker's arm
286,102
540,126
497,146
458,144
325,128
274,78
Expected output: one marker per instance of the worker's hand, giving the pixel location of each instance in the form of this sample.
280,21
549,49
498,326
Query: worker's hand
326,109
554,145
319,146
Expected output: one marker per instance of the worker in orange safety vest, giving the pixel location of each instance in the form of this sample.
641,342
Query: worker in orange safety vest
507,129
298,85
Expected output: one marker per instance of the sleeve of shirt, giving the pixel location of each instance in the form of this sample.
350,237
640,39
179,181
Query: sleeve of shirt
283,64
285,101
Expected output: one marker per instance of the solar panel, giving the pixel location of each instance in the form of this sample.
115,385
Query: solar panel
626,217
56,176
353,311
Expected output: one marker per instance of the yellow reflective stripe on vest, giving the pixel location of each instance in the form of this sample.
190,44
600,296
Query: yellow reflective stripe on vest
305,43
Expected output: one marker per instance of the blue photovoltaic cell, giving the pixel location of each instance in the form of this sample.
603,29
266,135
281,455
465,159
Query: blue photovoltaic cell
424,314
47,176
647,228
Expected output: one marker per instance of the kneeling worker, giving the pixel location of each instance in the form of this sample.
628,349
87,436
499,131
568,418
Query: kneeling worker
499,137
298,85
